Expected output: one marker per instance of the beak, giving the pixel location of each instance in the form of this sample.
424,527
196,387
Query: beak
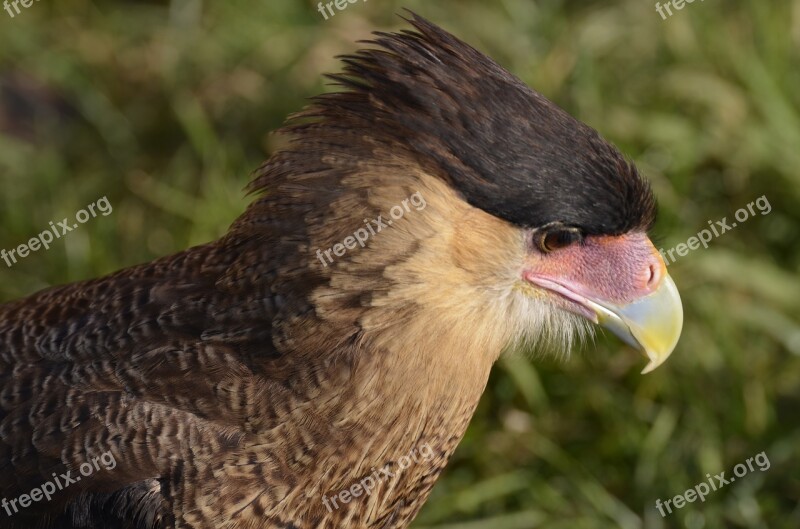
651,324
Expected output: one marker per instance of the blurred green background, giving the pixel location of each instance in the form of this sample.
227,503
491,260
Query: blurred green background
166,108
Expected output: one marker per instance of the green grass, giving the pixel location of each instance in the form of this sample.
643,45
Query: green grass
167,107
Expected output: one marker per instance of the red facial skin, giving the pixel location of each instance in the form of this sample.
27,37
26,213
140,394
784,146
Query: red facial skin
607,270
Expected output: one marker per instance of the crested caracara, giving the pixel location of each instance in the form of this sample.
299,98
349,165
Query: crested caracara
333,345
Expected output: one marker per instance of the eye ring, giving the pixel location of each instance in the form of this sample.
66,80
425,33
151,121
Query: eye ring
556,237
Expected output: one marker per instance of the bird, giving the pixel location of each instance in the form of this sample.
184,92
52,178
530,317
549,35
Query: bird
318,364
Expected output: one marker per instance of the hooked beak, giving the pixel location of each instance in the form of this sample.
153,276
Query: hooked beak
651,324
620,283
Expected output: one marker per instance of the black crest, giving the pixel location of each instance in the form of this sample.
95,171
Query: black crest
506,148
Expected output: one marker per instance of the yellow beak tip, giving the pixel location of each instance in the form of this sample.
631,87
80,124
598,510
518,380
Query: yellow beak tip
652,324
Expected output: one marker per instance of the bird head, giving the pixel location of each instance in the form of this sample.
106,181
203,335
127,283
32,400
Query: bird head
478,212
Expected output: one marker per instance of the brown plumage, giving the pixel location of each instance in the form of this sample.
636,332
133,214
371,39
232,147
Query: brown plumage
239,383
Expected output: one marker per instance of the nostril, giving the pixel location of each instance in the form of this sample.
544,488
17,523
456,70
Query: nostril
652,278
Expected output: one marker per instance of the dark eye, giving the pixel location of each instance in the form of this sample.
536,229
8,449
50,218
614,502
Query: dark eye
555,238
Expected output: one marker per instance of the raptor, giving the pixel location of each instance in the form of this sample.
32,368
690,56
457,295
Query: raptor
238,383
